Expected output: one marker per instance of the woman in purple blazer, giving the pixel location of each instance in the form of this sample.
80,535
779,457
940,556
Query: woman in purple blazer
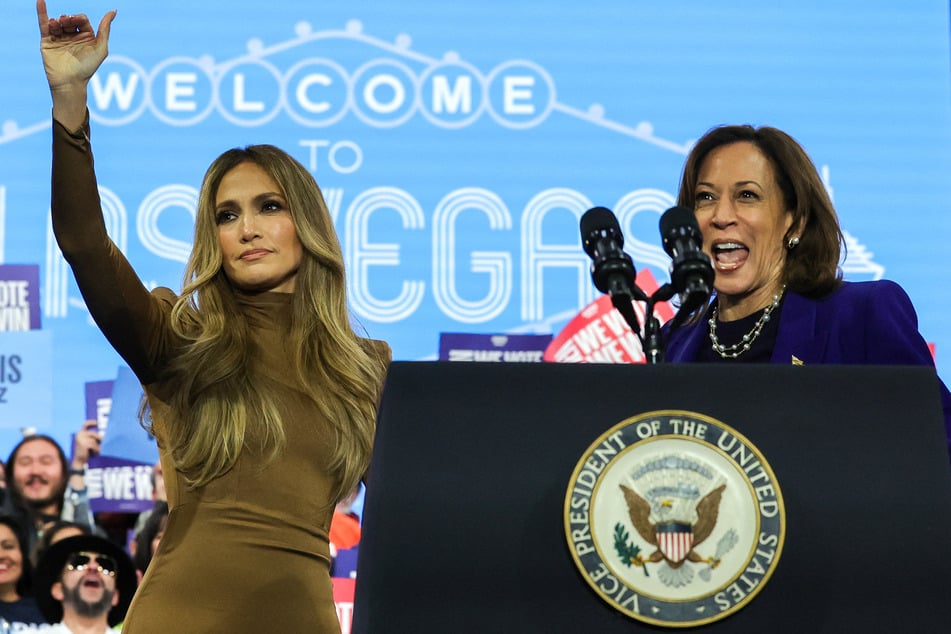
773,237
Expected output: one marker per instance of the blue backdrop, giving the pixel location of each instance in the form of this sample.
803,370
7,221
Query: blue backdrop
458,143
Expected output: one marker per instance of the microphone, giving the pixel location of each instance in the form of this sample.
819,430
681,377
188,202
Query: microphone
612,270
691,271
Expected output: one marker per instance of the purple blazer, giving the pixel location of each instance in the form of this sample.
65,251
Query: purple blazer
871,323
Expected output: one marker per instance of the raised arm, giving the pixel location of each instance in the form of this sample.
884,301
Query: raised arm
133,320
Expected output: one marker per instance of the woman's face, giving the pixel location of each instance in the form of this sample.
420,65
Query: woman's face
742,215
11,559
260,249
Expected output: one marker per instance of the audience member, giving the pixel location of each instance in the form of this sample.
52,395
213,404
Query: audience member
58,530
18,610
44,486
158,483
158,495
148,537
84,584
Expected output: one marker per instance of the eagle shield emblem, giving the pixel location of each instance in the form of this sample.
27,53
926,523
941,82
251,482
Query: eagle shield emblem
674,518
673,502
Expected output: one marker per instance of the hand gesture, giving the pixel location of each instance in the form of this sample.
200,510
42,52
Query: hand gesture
85,444
71,54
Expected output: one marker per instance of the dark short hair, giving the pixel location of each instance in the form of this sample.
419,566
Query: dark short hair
812,268
50,532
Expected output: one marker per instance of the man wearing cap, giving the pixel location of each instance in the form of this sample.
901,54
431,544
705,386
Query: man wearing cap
84,585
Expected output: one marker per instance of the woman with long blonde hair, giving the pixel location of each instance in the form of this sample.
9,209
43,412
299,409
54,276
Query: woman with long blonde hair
261,396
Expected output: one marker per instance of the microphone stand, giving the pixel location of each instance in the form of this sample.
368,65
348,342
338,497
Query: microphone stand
616,279
622,296
653,349
623,300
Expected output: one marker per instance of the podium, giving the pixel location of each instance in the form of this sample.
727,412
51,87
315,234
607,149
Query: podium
464,515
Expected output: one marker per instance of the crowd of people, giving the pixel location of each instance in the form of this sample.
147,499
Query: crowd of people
64,568
60,569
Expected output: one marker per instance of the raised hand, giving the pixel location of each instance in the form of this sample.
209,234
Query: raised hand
86,443
71,54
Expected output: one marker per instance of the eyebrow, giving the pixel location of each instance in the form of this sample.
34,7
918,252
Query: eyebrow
736,184
256,200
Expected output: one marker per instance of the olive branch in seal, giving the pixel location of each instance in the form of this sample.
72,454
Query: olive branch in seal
627,550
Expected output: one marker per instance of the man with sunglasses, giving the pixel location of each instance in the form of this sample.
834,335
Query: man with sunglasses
84,584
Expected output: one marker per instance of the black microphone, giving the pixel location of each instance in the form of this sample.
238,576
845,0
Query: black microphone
691,271
611,268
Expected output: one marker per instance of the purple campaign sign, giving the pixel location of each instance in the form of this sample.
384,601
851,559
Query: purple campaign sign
98,403
119,485
19,297
501,348
120,478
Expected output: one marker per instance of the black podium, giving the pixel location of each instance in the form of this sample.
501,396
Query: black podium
463,522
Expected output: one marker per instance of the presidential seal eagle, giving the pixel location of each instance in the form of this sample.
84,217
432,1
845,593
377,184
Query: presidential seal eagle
673,534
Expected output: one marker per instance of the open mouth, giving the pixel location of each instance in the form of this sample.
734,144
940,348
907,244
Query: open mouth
92,582
730,255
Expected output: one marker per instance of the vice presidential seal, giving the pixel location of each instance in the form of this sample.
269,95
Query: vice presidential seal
674,518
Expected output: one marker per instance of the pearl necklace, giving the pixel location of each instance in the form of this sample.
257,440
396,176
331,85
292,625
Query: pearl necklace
735,350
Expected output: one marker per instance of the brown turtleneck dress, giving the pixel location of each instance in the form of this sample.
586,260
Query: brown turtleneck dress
249,551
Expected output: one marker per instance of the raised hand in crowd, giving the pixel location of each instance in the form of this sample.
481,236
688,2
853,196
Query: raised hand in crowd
86,444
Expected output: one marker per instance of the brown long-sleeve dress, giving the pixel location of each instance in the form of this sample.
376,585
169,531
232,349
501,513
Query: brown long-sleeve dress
249,551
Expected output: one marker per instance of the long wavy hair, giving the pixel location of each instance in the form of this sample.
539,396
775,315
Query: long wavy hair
812,267
216,407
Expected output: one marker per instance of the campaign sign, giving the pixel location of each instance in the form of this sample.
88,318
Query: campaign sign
119,485
504,348
600,334
344,564
120,478
343,598
98,403
127,438
25,381
19,297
